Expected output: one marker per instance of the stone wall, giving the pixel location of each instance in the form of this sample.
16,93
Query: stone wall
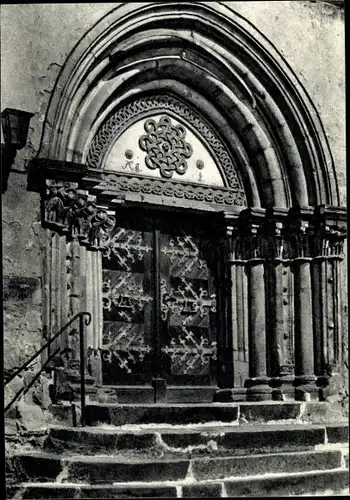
35,42
22,271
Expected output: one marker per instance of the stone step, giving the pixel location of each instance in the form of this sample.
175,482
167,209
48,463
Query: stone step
305,483
106,469
337,433
122,414
328,482
193,440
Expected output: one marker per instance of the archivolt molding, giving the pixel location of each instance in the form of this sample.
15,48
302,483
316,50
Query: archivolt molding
251,86
195,101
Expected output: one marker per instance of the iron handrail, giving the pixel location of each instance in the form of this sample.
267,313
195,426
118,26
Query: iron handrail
23,390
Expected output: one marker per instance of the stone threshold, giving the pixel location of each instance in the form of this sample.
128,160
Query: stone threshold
121,414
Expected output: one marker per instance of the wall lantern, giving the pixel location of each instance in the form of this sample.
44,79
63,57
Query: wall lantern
15,124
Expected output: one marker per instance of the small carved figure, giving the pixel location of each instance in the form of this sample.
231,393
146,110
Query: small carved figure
101,224
54,207
78,215
69,197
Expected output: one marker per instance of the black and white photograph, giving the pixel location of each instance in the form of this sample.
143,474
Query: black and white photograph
174,249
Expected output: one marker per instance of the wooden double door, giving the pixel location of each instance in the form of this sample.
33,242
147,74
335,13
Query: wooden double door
161,321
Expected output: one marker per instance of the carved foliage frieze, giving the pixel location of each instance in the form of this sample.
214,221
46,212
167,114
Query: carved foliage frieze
70,211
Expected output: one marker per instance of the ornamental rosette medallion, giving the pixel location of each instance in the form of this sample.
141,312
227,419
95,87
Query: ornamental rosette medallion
165,146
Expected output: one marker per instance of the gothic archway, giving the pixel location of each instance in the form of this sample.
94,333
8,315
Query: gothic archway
205,69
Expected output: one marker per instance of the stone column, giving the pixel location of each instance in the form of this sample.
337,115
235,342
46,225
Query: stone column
237,359
258,384
94,303
300,232
330,233
280,355
80,228
304,342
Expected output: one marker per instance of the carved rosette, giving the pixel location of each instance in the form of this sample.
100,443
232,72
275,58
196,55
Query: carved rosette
165,146
70,211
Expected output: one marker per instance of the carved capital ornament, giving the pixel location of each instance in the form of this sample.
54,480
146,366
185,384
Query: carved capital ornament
70,212
284,238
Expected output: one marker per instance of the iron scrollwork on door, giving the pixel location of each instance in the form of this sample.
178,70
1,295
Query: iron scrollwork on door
126,294
186,342
185,299
126,300
188,353
188,302
127,345
127,246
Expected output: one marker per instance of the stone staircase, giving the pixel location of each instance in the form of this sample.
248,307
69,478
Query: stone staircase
192,450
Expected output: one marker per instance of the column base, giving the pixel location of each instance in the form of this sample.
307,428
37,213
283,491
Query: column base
104,395
67,384
233,395
258,389
305,388
95,365
283,388
330,387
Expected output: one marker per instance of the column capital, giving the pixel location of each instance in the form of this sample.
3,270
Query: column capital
331,213
253,217
330,231
298,232
228,223
71,211
274,232
251,228
331,220
279,233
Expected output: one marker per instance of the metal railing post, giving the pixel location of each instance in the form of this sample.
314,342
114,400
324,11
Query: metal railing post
82,322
